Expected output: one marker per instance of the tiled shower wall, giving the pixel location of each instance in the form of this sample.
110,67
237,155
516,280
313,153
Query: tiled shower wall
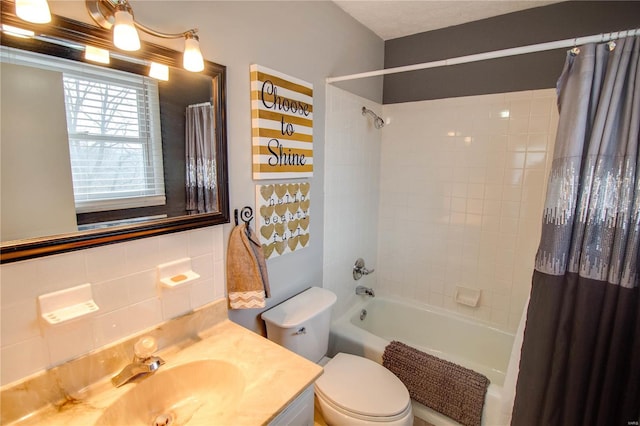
123,281
462,184
352,168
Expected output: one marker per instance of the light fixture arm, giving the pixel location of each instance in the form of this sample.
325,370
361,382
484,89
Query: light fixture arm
190,32
103,12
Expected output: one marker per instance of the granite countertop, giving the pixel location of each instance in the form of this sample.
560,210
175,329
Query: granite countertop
273,378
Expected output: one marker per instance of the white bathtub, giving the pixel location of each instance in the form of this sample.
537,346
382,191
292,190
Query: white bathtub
438,332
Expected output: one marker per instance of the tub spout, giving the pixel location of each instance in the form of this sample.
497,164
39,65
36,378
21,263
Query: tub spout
362,290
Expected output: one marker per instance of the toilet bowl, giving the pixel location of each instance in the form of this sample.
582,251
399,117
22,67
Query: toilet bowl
352,390
357,391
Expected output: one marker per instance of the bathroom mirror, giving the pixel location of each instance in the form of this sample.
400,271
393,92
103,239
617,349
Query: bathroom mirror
90,224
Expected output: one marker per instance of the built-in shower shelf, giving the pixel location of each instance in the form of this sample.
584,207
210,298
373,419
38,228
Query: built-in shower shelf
468,296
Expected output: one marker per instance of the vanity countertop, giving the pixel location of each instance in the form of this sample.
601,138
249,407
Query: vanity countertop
273,377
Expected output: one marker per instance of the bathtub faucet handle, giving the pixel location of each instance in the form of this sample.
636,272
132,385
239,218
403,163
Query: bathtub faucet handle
359,269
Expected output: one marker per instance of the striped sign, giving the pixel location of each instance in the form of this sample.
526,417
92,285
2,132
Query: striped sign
281,125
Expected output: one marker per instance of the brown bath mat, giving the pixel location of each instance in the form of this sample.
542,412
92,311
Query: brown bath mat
446,387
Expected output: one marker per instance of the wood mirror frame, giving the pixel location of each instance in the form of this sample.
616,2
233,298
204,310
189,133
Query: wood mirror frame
68,29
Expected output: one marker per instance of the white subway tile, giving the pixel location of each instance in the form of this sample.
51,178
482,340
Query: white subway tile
61,271
173,246
113,294
70,340
536,160
537,142
110,327
107,262
20,282
203,292
142,285
518,142
175,302
142,254
20,322
143,315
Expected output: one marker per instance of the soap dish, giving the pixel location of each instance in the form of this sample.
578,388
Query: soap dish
176,273
65,305
179,279
467,296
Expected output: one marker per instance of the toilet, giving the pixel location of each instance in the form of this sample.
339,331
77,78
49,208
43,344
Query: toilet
352,390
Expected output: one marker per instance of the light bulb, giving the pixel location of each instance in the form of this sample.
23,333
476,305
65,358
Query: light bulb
125,35
17,32
96,54
159,71
192,59
36,11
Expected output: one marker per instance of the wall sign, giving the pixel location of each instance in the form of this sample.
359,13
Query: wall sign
282,219
281,125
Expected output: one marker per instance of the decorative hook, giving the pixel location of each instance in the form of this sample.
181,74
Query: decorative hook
246,215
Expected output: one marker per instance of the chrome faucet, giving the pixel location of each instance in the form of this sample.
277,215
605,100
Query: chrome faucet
362,290
144,362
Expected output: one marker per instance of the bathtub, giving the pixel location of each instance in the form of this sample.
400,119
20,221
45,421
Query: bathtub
435,331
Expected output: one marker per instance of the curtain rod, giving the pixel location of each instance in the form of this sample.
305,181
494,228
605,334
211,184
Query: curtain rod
573,42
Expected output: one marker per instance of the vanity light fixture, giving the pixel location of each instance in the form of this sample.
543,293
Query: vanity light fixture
118,15
96,54
36,11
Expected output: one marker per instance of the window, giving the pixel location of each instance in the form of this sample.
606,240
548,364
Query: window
113,124
116,160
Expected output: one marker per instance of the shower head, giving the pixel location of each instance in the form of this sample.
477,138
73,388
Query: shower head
378,122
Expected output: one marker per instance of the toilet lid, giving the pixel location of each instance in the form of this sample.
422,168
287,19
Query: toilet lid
362,386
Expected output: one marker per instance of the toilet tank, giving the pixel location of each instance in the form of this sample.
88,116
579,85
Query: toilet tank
301,323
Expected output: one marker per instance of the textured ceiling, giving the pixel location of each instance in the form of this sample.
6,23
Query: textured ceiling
397,18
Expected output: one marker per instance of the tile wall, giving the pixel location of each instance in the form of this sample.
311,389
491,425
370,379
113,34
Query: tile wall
352,168
462,182
123,280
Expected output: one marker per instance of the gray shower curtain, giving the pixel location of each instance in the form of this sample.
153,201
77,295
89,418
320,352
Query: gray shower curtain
201,185
580,360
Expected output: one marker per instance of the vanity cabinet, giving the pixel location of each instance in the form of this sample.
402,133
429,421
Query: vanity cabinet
299,412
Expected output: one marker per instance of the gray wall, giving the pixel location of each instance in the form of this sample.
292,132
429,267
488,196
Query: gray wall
559,21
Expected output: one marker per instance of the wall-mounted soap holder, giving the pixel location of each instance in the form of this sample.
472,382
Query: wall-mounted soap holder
468,296
65,305
176,273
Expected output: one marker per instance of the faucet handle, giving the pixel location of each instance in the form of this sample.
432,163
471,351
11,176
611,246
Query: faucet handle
145,347
359,269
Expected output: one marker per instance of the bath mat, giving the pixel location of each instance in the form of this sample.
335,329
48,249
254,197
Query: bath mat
448,388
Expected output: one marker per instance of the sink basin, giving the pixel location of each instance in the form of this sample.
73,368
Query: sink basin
198,392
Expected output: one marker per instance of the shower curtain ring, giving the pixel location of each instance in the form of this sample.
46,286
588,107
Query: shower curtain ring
575,51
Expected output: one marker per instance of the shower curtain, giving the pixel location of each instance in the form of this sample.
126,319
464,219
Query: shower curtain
200,159
580,359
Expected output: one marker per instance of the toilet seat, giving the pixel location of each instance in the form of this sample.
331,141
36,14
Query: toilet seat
362,389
